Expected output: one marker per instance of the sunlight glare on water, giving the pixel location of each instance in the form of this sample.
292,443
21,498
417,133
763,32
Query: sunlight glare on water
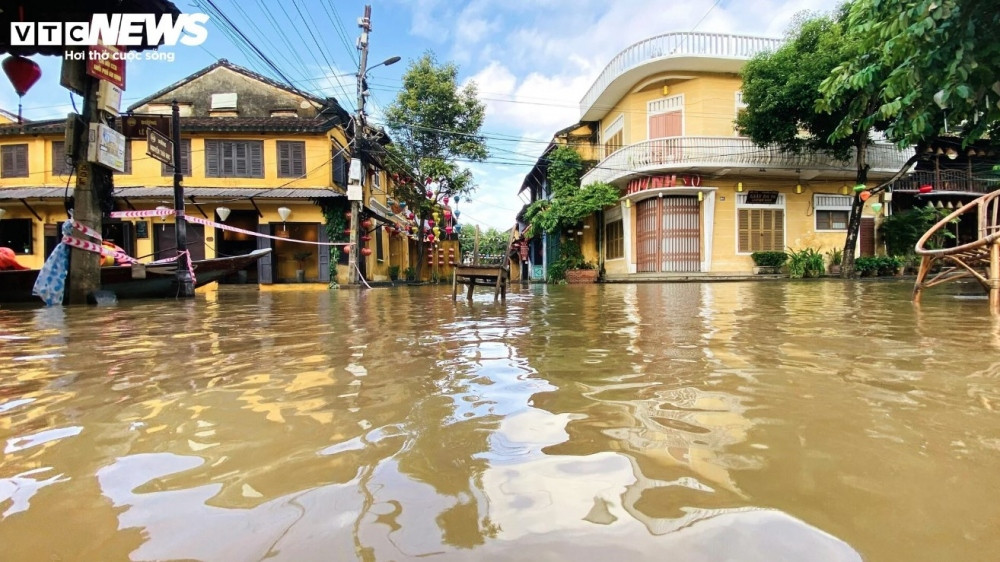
732,421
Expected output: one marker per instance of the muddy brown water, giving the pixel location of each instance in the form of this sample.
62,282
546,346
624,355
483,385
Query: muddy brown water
729,421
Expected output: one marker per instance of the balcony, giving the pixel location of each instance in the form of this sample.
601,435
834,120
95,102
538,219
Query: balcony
953,181
714,154
686,51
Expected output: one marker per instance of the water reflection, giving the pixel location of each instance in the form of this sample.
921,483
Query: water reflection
753,421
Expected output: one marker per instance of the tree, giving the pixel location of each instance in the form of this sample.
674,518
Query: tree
492,242
433,124
569,205
930,63
781,90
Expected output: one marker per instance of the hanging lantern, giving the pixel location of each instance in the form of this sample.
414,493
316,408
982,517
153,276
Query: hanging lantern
430,194
366,251
458,213
445,199
402,204
448,229
366,238
456,199
458,228
437,231
926,188
859,188
367,224
430,238
447,214
865,195
431,222
22,73
877,207
409,215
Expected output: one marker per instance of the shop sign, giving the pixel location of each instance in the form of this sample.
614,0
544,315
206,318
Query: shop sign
762,197
656,182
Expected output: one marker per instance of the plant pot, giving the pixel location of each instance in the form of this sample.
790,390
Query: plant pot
835,269
575,276
300,276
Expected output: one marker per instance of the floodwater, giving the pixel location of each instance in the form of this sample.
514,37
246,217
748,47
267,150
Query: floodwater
764,421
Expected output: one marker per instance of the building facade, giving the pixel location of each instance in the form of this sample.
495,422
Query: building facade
696,197
255,155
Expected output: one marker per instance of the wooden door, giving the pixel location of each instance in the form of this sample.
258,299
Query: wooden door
680,241
867,236
647,233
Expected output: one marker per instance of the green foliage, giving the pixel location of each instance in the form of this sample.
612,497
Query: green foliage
902,230
836,256
870,266
912,50
570,203
769,259
410,273
393,272
781,89
570,257
335,222
433,124
492,242
805,263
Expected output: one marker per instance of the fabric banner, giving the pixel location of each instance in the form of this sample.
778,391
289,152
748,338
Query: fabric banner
139,214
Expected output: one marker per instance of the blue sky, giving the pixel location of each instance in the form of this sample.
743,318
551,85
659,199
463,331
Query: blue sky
532,61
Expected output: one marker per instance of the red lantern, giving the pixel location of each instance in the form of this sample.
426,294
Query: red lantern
926,188
367,224
865,195
366,251
430,238
447,214
430,222
448,229
22,73
445,199
430,194
366,238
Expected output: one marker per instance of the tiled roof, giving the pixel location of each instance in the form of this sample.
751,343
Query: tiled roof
293,125
47,127
161,192
235,68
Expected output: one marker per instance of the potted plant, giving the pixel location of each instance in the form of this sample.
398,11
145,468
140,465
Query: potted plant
393,273
836,258
300,258
410,274
768,262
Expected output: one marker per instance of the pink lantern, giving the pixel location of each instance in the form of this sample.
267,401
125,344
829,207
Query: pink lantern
447,214
448,229
430,194
445,199
430,238
430,222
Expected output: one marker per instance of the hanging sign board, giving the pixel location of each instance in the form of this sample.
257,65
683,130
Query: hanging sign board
135,126
105,62
762,197
159,147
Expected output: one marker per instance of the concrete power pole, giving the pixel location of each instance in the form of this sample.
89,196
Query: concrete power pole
365,23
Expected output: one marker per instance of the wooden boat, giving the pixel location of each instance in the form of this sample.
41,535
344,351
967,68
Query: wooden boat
126,282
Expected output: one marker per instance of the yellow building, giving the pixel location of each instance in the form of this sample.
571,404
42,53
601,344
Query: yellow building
255,155
696,197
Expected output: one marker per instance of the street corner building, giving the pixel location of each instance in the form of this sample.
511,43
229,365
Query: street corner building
256,155
697,199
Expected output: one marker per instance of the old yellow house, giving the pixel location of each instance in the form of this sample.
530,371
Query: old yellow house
658,123
255,155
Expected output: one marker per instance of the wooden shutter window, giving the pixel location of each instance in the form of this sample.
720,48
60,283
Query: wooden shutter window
166,170
743,220
213,167
14,162
60,165
291,159
256,156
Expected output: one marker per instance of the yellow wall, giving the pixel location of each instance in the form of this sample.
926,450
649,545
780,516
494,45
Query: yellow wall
709,106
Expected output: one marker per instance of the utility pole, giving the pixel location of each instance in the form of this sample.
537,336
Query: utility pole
185,285
365,23
93,183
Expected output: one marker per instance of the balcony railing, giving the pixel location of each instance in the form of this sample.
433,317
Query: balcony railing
676,45
945,180
720,152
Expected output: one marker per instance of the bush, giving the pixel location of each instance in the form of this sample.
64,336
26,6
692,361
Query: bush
393,272
769,259
871,266
805,263
866,266
410,273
